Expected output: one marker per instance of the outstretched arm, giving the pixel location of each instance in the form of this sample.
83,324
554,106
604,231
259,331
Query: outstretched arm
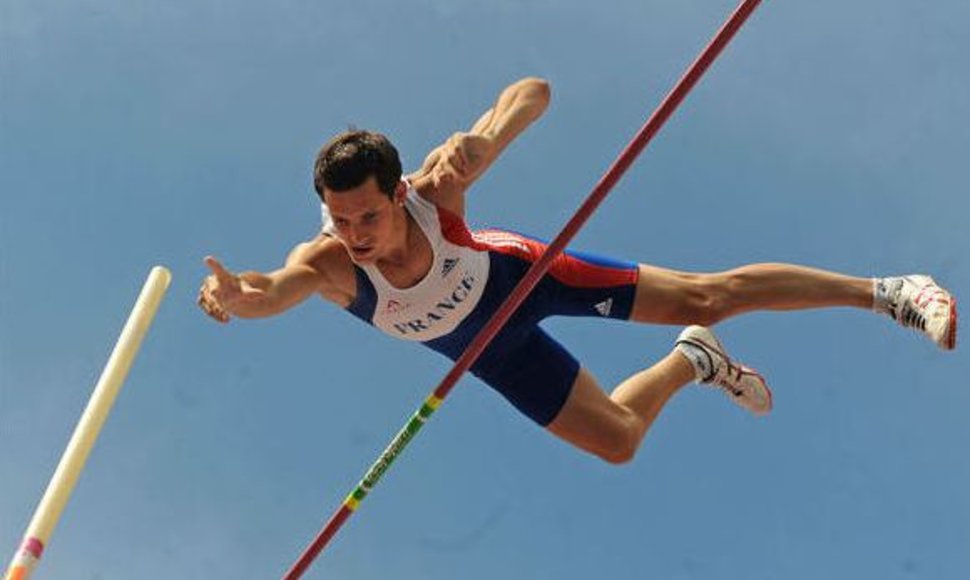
254,294
450,169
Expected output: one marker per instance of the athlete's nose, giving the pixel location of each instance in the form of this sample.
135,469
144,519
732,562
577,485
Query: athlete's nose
357,235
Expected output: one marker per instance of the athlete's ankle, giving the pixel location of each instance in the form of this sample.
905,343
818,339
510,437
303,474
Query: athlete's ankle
699,360
884,291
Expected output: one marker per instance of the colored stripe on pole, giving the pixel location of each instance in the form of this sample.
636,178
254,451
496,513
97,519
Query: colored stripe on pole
25,560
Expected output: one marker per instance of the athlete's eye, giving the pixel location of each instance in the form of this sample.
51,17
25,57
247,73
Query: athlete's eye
340,222
370,217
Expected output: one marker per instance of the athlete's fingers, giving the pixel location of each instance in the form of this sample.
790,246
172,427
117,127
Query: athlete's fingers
452,171
210,299
465,153
476,152
457,156
216,312
212,310
441,176
212,289
205,300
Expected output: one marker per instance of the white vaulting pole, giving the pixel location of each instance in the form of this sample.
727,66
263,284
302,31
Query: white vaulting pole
72,462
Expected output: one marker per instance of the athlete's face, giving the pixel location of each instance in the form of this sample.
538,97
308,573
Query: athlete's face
366,219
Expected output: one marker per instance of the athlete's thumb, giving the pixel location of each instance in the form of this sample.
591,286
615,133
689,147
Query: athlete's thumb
217,268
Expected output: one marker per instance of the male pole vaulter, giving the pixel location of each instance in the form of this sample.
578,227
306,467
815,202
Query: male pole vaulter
396,252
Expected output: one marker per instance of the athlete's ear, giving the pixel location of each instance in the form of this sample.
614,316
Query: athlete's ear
400,192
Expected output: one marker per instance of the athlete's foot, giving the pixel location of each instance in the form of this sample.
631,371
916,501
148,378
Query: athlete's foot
917,302
714,367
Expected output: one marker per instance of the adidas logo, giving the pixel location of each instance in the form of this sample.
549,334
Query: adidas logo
448,266
604,307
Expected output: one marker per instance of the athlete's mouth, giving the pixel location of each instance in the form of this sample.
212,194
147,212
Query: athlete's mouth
360,251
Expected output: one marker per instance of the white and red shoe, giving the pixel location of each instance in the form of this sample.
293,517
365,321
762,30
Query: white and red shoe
742,384
918,302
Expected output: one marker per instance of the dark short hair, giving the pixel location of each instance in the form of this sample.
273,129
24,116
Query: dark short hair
347,160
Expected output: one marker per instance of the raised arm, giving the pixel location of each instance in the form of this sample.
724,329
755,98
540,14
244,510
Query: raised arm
450,169
517,107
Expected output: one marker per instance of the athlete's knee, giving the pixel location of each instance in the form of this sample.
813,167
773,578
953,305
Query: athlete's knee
619,454
706,298
735,291
621,441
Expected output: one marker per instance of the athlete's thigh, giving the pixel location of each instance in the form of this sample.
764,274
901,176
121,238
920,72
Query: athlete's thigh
666,296
592,421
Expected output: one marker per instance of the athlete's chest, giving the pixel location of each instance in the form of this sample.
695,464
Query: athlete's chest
413,268
438,295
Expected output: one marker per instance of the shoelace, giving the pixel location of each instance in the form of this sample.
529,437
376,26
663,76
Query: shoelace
723,380
720,379
911,313
913,319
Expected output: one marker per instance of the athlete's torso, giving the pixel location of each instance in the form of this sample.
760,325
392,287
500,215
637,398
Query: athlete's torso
471,274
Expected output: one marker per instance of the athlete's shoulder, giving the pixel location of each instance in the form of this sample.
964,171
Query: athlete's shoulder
320,249
329,258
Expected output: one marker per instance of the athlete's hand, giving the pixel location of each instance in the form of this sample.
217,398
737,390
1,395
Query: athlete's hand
461,159
222,290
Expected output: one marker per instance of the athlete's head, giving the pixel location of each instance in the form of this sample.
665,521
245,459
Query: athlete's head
358,175
347,160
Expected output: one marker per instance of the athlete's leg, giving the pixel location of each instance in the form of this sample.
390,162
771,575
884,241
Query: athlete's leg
545,382
613,426
672,297
587,285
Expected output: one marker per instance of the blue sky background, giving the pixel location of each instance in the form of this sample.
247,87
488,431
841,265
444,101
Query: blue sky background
138,133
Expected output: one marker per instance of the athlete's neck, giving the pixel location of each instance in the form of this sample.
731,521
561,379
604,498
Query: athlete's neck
406,239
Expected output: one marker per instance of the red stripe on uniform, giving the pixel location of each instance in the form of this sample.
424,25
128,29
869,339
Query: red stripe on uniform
567,269
454,230
579,273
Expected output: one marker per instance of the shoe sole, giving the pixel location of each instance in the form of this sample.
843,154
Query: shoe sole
764,385
951,335
950,342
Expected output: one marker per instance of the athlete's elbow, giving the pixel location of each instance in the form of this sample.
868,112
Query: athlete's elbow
539,88
534,93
